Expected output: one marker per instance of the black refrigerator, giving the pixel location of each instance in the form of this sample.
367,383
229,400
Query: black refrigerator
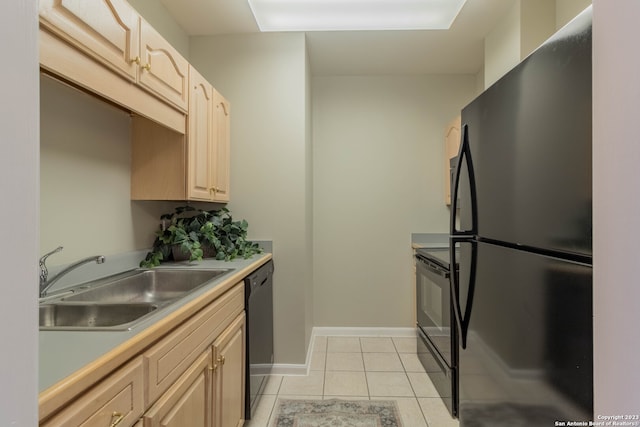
521,218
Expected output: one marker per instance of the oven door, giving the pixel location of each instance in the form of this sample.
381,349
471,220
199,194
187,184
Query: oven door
437,342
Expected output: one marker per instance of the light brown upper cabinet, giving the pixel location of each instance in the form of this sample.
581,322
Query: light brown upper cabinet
180,146
208,141
451,147
222,148
169,166
201,134
91,35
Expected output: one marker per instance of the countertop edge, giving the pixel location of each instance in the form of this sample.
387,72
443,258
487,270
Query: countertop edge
67,388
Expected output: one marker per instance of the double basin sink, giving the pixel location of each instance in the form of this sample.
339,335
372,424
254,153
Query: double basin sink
121,301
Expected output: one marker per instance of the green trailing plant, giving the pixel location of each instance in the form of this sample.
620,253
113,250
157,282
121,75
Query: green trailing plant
190,233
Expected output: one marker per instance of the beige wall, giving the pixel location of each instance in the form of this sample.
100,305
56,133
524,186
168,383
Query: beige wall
264,76
19,214
502,46
85,175
537,24
378,177
566,10
525,27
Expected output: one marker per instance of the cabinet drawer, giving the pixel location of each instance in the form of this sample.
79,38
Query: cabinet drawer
167,360
117,397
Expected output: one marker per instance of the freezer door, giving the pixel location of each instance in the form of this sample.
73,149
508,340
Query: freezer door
528,354
530,141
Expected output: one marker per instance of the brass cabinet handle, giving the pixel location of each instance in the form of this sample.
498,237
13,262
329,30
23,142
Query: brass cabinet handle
147,67
118,417
136,60
221,360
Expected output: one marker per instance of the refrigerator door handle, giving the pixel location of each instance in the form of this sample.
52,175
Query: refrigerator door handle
462,319
464,155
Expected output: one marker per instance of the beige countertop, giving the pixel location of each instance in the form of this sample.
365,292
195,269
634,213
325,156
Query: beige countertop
66,356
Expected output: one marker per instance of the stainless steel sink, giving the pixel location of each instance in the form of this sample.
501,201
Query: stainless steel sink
94,316
155,286
121,301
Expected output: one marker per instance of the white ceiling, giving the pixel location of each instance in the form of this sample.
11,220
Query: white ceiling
459,50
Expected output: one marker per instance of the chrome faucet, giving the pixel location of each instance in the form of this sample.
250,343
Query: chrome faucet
45,282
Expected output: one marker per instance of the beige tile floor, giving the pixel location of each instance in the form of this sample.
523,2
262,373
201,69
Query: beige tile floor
380,368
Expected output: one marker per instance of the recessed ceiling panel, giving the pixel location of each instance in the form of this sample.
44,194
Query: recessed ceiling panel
353,15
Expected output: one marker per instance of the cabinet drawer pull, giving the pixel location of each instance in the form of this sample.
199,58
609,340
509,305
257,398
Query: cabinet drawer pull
118,417
136,60
147,67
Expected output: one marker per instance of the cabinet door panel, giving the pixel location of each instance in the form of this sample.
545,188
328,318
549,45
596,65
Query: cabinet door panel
188,401
200,136
229,354
222,149
163,70
107,30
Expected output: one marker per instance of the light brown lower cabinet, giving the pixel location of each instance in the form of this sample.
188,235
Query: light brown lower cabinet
229,355
211,391
158,389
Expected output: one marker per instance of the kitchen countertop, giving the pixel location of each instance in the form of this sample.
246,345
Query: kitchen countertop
64,354
429,240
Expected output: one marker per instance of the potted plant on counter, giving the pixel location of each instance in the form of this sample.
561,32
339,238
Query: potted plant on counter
193,234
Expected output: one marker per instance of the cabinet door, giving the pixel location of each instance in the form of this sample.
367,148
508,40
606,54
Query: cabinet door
117,400
188,401
168,359
107,30
451,147
163,71
221,148
229,359
201,154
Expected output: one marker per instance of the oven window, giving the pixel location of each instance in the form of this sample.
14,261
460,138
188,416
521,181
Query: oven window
432,301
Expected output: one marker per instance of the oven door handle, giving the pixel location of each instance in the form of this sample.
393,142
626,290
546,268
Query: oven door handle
462,319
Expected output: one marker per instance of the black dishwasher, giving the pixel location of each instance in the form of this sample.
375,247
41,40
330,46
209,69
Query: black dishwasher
258,297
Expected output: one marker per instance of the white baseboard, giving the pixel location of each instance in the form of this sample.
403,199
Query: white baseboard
362,332
303,369
290,369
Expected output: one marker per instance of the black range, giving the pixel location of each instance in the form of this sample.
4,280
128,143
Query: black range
437,339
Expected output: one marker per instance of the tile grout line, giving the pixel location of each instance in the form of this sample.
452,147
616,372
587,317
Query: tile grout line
364,369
